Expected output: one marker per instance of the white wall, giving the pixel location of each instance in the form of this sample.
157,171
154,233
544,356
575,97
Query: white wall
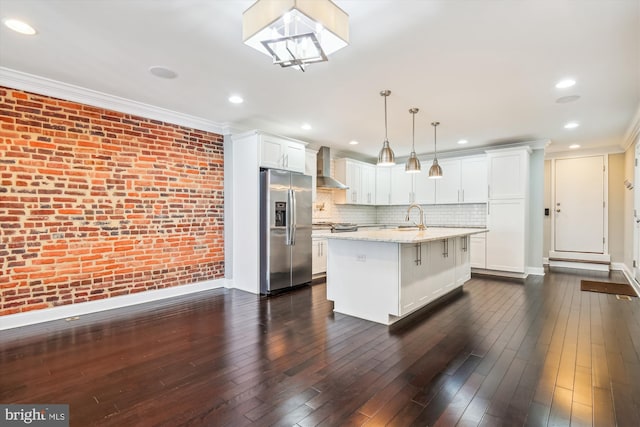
536,209
627,217
616,207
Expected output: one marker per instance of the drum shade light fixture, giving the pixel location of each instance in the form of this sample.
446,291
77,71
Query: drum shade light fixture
413,163
386,157
295,32
435,171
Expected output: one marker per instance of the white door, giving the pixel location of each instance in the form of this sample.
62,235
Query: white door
579,205
636,199
506,237
401,186
383,185
473,180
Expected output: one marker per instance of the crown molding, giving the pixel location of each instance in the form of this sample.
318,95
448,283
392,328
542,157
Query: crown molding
598,151
633,131
48,87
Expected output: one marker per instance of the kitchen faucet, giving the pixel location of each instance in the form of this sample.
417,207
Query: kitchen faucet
415,205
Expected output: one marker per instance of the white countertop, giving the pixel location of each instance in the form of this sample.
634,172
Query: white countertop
391,235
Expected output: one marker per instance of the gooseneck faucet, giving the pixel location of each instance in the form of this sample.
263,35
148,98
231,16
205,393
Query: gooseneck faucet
421,224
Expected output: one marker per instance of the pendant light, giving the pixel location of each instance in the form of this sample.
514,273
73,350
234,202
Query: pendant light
435,171
386,156
413,163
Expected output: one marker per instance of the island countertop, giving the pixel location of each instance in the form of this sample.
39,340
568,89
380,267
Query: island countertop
399,235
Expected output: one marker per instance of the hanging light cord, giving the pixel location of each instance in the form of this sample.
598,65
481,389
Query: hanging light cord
413,142
435,143
385,118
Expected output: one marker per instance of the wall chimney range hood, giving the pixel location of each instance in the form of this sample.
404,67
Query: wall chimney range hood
324,179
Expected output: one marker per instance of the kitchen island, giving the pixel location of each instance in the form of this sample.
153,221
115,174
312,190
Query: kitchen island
385,275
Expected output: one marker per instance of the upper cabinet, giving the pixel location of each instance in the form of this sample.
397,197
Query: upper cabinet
281,153
464,181
311,169
508,173
361,179
473,180
383,186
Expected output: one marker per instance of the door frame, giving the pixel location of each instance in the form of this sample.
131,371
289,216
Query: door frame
552,243
636,211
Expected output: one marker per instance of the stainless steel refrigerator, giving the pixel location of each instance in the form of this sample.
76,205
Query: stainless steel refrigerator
285,230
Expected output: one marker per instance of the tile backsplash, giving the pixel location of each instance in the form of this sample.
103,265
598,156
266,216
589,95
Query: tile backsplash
325,210
473,215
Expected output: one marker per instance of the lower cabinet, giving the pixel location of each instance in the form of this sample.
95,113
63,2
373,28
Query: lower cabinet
463,259
506,221
429,270
319,256
478,244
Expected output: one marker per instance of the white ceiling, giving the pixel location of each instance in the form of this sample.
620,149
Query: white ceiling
485,69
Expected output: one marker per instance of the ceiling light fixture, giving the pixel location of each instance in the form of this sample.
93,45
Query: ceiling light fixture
574,146
353,142
462,141
413,163
20,27
306,126
435,171
571,125
295,32
563,84
386,156
235,99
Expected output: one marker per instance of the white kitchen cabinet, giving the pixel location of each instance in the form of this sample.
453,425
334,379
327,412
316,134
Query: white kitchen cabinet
361,179
506,221
473,180
383,185
442,269
401,186
424,189
463,260
311,169
414,265
448,187
407,188
281,153
508,173
478,247
319,256
368,184
464,181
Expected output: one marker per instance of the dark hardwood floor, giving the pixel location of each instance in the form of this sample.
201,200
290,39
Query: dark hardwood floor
501,353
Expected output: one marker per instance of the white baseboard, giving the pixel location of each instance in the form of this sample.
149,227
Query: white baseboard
629,275
64,311
536,271
579,256
579,265
499,273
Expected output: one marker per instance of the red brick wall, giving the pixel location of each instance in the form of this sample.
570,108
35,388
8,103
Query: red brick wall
96,203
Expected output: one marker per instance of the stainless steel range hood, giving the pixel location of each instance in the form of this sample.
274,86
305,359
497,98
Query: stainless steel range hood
324,179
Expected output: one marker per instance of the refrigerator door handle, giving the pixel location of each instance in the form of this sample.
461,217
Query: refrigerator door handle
288,239
294,222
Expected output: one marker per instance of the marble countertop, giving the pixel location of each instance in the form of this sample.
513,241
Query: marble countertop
407,235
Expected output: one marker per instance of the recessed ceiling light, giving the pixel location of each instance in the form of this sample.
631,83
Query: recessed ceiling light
571,125
306,126
163,72
567,99
563,84
354,142
574,146
235,99
462,141
20,27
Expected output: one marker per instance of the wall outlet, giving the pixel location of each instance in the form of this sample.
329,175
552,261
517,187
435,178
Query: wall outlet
361,258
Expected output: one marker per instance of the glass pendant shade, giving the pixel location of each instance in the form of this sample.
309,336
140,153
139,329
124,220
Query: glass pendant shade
386,157
435,171
413,163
